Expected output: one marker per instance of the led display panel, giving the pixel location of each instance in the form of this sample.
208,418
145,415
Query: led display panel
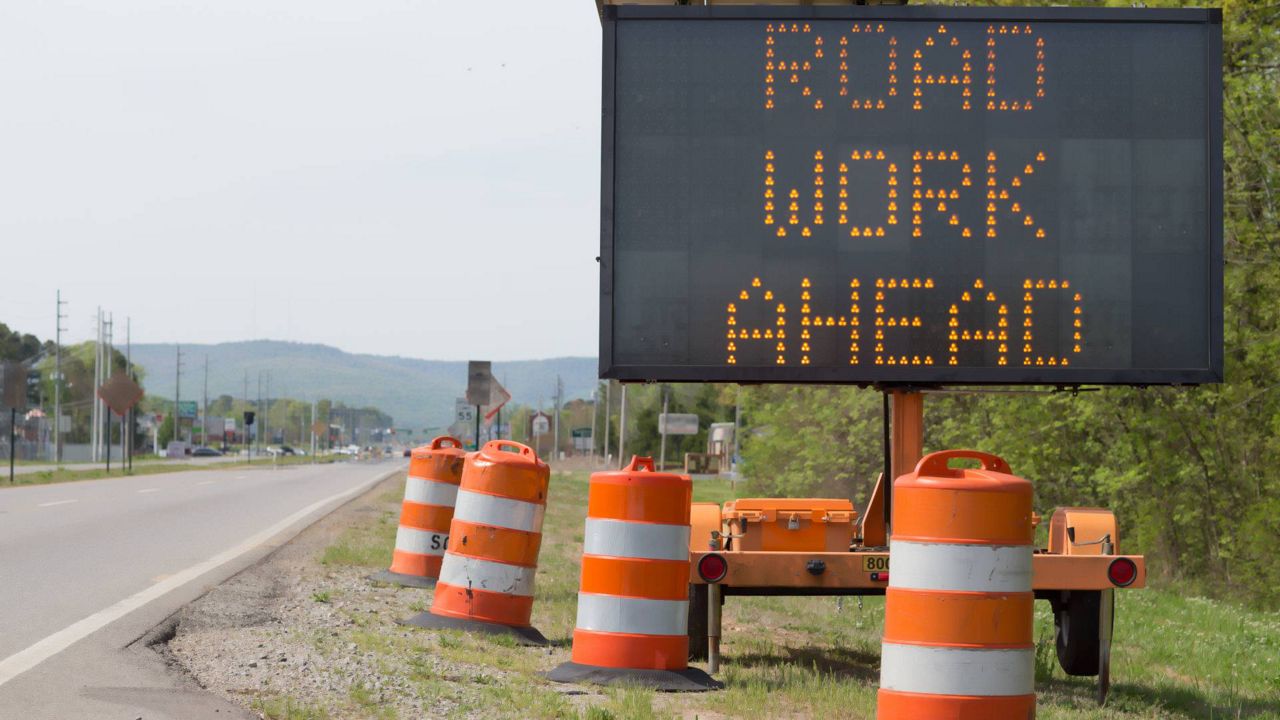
911,195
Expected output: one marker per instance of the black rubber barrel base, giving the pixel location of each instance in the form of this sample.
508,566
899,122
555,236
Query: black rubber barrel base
417,581
687,680
523,635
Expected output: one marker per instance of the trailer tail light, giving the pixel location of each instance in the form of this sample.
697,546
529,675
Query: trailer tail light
1122,572
712,568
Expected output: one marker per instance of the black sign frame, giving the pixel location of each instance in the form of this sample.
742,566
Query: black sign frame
885,376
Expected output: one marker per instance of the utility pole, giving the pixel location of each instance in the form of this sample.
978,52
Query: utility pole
177,394
94,428
57,384
205,410
737,429
662,454
622,428
595,407
266,410
313,430
244,429
111,361
555,443
128,368
261,422
608,412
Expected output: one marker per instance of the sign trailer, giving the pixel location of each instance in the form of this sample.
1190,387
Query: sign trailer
905,197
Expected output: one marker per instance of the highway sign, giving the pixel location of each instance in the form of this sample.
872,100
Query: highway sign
498,397
13,382
912,195
478,380
540,424
188,409
463,411
677,424
120,393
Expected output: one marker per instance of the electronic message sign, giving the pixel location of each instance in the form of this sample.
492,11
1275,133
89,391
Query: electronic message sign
911,195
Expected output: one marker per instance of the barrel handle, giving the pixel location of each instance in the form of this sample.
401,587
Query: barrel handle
936,464
511,446
440,442
639,463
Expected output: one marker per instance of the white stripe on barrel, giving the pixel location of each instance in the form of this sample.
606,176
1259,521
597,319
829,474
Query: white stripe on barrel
647,541
494,511
430,492
961,568
956,671
640,616
421,542
477,574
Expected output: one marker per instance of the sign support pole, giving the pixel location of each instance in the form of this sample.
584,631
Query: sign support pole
477,427
13,440
906,443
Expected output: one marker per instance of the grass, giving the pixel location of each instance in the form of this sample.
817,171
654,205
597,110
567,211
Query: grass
286,708
70,474
1173,657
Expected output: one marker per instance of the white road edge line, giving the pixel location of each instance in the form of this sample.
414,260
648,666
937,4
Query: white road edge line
147,490
206,482
42,650
57,502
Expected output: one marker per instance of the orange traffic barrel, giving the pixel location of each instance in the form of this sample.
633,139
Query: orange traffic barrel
486,577
633,602
958,608
430,491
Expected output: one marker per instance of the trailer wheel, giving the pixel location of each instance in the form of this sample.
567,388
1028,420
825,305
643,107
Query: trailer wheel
697,622
1077,624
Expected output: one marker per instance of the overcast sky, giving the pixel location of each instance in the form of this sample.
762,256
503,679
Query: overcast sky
404,177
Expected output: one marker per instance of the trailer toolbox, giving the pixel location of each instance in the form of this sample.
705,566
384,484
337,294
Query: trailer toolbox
790,524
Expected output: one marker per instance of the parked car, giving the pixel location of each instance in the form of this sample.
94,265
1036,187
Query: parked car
206,452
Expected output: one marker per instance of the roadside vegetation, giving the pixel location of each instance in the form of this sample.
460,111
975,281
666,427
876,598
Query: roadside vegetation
1174,657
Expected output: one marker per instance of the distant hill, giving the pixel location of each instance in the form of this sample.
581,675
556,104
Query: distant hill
417,393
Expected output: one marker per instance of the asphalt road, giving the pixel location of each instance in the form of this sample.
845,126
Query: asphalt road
87,568
115,464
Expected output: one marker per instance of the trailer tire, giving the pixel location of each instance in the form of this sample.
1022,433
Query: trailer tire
1076,625
697,622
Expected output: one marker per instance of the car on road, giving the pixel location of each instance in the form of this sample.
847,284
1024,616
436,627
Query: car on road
206,452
